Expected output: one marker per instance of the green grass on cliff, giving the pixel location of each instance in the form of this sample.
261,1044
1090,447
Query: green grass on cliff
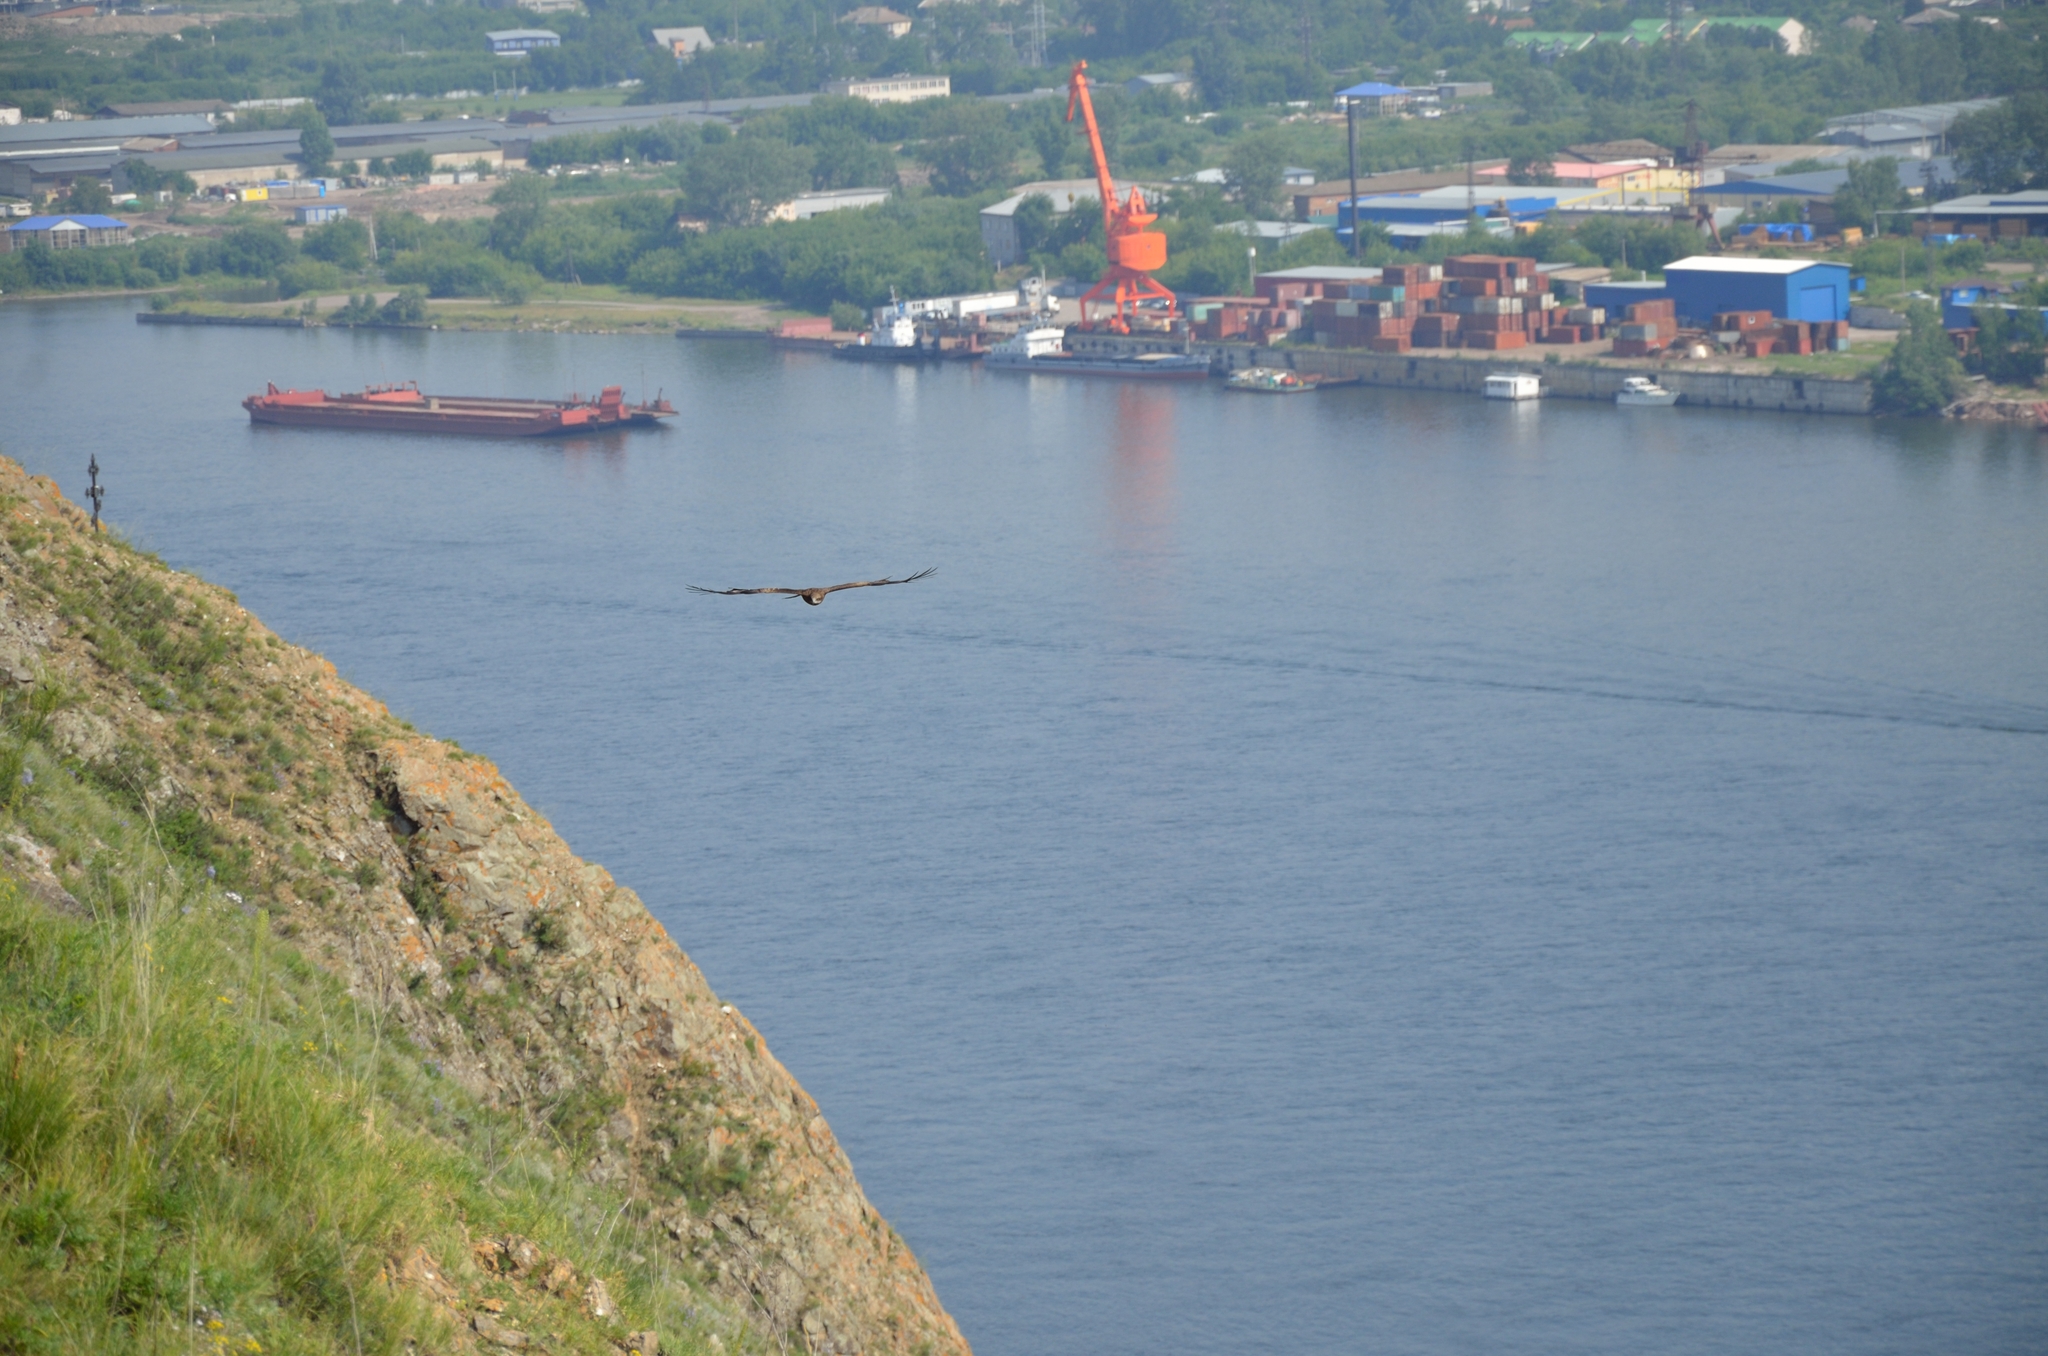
207,1147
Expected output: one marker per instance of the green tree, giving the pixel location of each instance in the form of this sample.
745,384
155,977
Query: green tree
1923,373
256,250
1253,171
342,92
1052,136
739,182
1034,220
2010,345
344,243
2005,148
969,147
316,144
87,195
409,307
414,164
1872,187
1219,73
144,177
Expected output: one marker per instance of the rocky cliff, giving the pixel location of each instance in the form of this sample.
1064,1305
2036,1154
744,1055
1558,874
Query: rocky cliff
413,871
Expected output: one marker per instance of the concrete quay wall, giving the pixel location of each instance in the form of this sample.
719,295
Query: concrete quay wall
1563,380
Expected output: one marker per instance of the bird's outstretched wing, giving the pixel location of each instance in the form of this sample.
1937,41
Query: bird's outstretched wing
874,583
819,592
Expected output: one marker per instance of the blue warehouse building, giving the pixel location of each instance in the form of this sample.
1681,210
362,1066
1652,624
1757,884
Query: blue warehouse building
1791,289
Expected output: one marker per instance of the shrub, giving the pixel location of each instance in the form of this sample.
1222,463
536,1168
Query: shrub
309,275
1923,373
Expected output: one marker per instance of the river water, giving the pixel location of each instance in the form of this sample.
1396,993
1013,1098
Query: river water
1368,872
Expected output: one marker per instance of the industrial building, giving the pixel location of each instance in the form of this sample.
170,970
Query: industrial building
1988,216
1918,131
1791,289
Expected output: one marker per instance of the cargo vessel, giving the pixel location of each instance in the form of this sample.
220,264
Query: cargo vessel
893,338
402,408
1044,351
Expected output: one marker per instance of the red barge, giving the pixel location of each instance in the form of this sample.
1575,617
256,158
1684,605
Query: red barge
402,409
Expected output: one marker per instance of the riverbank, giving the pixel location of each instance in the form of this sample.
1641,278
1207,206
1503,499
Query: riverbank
1584,374
562,310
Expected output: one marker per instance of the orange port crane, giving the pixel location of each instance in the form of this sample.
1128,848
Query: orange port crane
1134,252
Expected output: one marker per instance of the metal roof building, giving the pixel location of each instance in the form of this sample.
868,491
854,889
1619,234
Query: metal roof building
1791,289
1918,130
76,232
1989,216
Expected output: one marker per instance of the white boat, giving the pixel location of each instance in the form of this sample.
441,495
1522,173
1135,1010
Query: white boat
1513,386
1044,350
1020,348
1644,391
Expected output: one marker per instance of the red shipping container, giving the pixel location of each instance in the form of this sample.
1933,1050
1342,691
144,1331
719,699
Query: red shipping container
1760,345
1388,343
1636,348
1496,339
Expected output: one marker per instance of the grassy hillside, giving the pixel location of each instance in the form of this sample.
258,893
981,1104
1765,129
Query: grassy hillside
315,1038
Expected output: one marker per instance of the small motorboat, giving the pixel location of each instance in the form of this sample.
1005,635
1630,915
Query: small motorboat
1644,391
1270,381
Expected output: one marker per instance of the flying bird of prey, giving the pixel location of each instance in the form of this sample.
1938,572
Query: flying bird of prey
816,596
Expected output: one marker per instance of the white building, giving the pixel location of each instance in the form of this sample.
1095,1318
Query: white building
893,89
517,42
682,43
807,205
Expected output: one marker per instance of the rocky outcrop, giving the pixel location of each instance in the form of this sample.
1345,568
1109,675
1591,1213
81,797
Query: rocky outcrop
415,871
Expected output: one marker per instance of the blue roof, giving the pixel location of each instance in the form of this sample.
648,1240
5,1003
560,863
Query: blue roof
1371,90
82,219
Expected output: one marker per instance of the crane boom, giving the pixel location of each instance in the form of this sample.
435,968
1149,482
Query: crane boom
1077,96
1134,252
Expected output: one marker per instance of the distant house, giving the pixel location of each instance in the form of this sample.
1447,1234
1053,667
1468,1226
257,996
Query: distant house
682,43
1452,90
893,89
66,233
878,16
318,213
517,42
1172,82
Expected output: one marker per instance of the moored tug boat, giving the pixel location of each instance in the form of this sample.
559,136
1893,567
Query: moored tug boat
402,408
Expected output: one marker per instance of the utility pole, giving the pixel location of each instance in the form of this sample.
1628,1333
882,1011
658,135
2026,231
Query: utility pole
1351,152
97,492
1251,270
